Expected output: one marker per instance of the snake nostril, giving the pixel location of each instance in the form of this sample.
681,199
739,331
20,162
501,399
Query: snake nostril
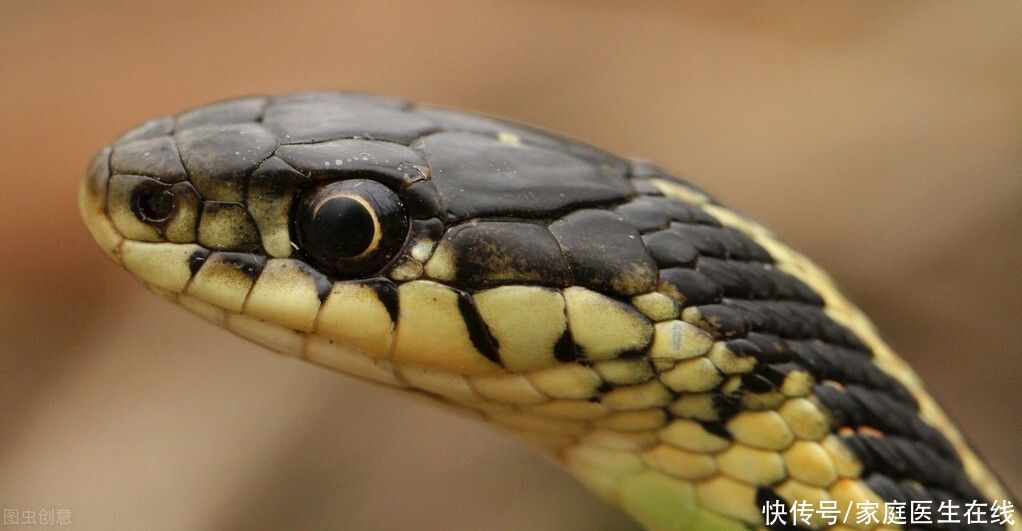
154,205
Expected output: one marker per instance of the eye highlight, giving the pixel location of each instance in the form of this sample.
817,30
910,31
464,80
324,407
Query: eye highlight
351,228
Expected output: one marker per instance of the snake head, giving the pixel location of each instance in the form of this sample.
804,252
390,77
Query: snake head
405,244
673,354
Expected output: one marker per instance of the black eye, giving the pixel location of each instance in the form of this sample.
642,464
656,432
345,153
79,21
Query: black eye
351,228
154,203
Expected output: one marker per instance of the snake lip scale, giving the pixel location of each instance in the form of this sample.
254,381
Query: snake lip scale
672,354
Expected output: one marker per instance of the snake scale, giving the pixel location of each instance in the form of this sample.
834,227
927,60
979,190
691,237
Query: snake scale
672,354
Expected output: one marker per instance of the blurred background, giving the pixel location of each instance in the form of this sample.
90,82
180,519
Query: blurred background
883,139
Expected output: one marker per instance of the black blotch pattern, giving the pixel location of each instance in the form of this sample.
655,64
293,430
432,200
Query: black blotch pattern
718,429
478,332
564,349
386,291
198,258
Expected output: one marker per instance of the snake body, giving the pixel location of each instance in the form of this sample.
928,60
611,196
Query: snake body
672,354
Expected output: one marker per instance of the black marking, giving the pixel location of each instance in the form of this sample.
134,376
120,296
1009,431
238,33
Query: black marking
744,347
727,405
718,429
386,291
197,259
249,264
604,387
323,286
564,350
478,332
757,383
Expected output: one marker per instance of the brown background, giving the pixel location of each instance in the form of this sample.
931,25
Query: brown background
885,140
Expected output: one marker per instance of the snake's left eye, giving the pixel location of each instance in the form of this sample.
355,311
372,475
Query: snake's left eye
351,228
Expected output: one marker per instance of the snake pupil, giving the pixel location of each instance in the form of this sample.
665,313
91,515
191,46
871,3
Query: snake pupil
155,205
343,226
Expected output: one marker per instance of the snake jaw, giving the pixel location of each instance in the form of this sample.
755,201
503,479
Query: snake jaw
672,354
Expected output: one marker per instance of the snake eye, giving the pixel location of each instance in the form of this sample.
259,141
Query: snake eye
351,228
153,203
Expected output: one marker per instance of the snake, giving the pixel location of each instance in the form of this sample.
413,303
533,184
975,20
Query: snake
670,353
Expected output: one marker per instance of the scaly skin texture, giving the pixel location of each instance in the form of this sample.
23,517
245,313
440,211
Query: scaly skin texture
672,354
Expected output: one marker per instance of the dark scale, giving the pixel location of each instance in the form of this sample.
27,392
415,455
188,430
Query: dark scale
450,120
670,249
689,287
491,253
648,170
154,157
219,158
644,215
235,111
605,252
478,176
329,116
393,165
